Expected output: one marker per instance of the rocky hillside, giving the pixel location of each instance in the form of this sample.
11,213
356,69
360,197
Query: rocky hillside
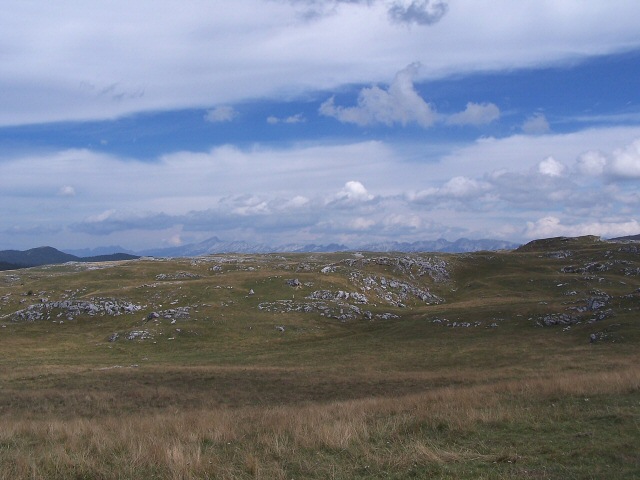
554,283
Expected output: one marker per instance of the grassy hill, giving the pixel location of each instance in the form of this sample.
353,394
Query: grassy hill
520,364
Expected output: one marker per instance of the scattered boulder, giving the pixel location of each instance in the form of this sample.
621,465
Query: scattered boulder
592,267
176,276
557,319
597,303
74,308
139,335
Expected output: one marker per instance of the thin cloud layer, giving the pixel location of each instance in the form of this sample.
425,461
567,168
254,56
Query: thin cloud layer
222,113
292,119
79,61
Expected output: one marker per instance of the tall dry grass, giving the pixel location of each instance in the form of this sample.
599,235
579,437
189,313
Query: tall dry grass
335,440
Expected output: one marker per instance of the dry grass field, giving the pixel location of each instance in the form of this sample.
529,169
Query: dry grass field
490,365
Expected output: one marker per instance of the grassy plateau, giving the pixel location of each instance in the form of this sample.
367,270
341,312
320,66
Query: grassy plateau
519,364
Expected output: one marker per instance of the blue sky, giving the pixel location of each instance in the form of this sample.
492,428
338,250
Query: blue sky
317,121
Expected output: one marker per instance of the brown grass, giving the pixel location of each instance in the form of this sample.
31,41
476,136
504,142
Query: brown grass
375,434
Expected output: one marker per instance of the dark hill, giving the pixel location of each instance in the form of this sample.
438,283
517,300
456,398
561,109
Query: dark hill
35,257
559,243
8,266
632,238
14,259
109,258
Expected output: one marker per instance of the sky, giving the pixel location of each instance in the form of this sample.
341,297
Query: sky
159,123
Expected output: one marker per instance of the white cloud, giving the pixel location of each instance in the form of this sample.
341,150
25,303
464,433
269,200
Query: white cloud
475,114
302,192
625,162
67,191
461,187
458,187
360,223
222,113
403,220
297,202
292,119
553,227
537,124
102,216
355,191
523,152
153,55
591,163
551,167
399,104
622,163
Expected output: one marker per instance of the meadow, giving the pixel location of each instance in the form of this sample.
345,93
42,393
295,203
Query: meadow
488,365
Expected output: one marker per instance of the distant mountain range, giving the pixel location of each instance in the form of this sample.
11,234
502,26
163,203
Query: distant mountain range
215,245
14,259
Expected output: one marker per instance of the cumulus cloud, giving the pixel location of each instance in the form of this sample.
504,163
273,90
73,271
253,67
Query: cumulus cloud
475,114
421,12
222,113
354,191
551,167
400,104
622,163
625,162
537,124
